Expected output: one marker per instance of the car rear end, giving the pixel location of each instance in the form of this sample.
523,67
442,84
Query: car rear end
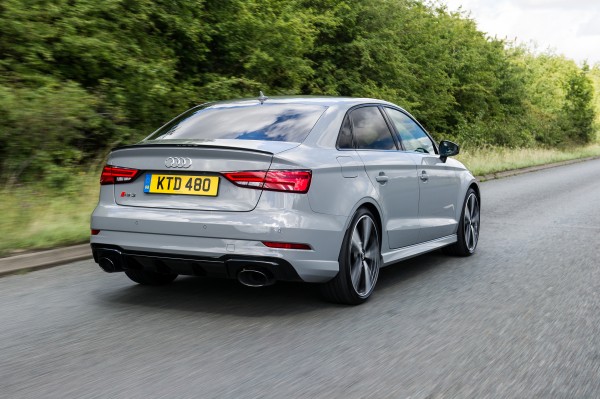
216,193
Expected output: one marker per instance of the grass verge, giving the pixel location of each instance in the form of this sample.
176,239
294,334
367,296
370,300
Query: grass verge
40,217
492,160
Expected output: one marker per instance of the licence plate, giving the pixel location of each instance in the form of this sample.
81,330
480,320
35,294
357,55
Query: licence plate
181,184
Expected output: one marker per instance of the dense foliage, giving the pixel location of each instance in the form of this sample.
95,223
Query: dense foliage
80,76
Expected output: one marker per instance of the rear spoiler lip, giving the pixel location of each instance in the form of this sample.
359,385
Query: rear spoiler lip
220,147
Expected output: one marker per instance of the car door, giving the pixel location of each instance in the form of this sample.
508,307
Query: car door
392,173
438,183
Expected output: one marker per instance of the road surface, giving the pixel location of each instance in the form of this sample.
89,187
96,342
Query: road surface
520,319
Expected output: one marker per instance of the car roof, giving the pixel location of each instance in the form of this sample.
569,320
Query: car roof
314,100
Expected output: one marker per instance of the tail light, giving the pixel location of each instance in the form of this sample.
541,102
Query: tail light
116,175
293,181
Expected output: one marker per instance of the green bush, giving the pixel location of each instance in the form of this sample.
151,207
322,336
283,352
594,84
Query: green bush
43,126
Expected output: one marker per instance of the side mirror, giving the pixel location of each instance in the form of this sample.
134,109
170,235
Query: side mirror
448,149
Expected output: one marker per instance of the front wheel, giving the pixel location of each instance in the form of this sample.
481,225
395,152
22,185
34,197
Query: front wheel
468,227
360,260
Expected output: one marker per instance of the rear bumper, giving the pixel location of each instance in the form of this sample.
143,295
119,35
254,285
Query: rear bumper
212,243
113,258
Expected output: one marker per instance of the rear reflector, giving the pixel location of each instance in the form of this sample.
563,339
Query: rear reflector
95,232
286,245
116,175
293,181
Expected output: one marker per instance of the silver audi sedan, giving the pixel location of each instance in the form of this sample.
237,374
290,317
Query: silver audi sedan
317,189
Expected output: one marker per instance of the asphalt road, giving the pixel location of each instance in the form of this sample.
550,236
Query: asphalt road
520,319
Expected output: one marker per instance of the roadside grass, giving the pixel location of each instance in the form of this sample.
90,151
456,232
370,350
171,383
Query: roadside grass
42,216
491,160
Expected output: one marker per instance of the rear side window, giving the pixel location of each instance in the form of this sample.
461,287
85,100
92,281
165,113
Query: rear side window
345,137
370,130
271,122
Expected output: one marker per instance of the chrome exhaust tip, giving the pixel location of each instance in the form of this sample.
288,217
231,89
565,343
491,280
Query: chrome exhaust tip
255,278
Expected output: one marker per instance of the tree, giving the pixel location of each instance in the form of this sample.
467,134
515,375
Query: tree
579,115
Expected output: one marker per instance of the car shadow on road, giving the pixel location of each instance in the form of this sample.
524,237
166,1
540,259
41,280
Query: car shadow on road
400,273
220,296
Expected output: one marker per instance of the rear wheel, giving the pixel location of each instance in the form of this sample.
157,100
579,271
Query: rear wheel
360,260
468,227
145,277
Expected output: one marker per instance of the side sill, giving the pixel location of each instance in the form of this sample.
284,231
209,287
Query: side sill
417,249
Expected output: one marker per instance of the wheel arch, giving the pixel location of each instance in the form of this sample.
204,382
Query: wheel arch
475,188
371,205
467,182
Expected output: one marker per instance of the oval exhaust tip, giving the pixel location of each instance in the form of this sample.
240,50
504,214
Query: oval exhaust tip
255,278
107,265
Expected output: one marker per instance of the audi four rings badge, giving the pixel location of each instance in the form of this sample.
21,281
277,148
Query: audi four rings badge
178,162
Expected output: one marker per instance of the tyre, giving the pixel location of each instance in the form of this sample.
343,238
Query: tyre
468,227
150,278
360,260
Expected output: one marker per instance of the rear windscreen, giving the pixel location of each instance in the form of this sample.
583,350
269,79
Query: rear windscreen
272,122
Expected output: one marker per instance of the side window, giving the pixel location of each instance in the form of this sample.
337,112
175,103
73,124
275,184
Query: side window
412,136
345,137
370,130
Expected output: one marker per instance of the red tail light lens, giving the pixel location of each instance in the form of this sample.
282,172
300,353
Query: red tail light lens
293,181
251,179
116,175
297,181
95,232
286,245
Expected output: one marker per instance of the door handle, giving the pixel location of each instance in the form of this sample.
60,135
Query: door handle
424,176
382,178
